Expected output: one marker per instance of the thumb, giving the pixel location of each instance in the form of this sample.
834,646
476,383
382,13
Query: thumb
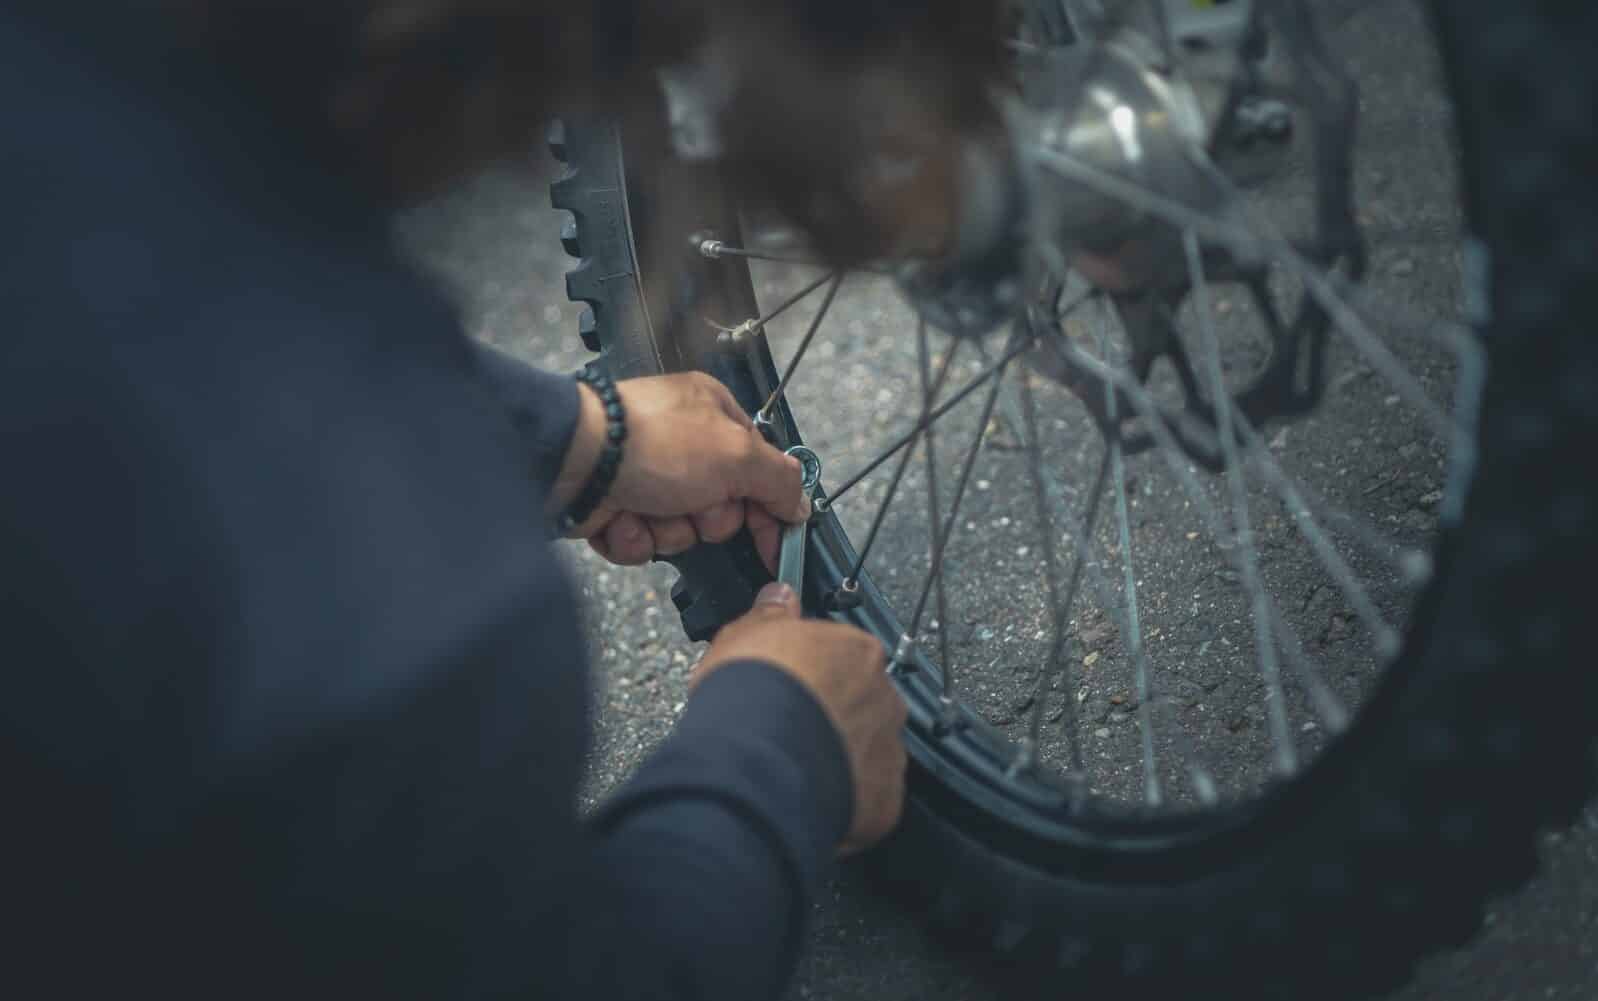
776,601
776,482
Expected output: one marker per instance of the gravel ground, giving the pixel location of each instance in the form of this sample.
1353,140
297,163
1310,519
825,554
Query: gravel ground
496,241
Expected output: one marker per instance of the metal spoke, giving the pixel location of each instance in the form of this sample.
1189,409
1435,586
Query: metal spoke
715,250
1249,245
941,538
928,394
1134,628
1413,563
804,345
1011,353
1471,357
1080,534
1009,410
1385,636
1246,245
1056,665
749,328
1265,645
1162,30
1175,460
929,436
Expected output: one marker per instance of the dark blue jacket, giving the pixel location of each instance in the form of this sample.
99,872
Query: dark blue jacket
294,690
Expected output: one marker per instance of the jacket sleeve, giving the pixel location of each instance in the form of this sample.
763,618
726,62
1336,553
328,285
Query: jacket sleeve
716,845
542,406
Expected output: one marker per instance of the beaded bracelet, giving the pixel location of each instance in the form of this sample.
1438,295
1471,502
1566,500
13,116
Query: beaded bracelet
604,474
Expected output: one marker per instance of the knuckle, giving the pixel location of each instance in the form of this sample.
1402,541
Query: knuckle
748,446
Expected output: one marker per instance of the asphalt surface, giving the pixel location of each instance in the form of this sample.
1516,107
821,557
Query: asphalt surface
495,241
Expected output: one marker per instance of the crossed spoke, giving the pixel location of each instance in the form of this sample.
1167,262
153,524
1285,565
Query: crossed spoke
804,346
1286,759
1243,450
924,427
1152,794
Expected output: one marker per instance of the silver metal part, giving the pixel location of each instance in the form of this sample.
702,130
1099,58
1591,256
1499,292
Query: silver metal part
791,557
765,425
975,288
737,336
697,94
1122,119
901,653
795,537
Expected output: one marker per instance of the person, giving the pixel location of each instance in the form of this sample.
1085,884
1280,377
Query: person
297,697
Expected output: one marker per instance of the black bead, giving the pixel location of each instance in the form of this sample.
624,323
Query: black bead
609,462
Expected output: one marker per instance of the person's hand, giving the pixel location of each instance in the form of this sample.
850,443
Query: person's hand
843,668
693,469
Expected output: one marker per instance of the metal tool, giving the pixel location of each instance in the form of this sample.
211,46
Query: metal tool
795,537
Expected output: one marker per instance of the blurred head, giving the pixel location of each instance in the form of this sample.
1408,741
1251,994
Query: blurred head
411,92
415,91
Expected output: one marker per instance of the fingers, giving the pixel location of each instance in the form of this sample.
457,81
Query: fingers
775,603
719,522
631,540
767,533
673,535
626,541
773,479
727,402
777,600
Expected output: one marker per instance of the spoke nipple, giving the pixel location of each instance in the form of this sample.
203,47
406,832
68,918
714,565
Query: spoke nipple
820,505
711,249
900,662
845,597
1025,758
743,331
949,721
763,424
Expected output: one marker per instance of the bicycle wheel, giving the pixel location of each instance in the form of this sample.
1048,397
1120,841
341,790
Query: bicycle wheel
1261,689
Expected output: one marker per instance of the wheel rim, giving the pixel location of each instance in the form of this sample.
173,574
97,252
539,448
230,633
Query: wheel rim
966,758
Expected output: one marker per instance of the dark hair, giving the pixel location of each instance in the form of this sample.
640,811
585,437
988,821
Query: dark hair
416,89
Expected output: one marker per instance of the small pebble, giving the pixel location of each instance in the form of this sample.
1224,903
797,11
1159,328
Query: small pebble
1102,732
1090,659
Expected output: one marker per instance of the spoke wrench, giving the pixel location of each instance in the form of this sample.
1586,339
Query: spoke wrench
795,537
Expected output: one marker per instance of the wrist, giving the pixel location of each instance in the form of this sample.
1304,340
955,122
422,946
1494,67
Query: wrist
582,455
